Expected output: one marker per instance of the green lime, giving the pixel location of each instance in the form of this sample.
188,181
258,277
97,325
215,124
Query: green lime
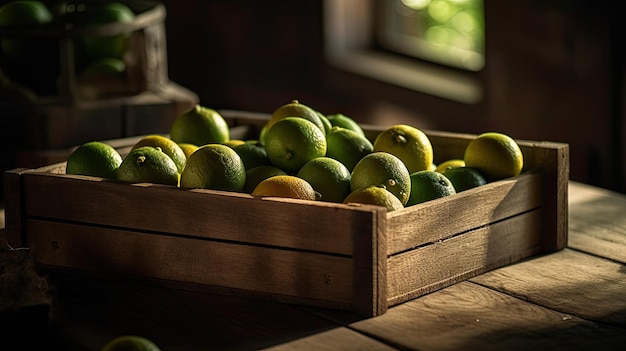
296,109
382,169
347,146
328,177
464,178
327,125
168,146
200,126
429,185
97,14
148,164
130,343
252,154
374,195
22,14
293,141
214,166
452,163
343,121
94,158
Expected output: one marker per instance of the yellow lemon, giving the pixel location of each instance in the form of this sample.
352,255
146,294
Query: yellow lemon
495,155
167,145
374,195
258,174
452,163
382,169
295,109
409,144
292,142
200,126
464,178
286,186
347,146
216,167
130,343
429,185
148,164
328,177
94,158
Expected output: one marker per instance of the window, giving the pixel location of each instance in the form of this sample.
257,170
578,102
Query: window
376,39
449,32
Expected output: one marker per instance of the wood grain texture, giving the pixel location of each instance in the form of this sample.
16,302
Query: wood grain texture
443,263
598,221
468,316
567,281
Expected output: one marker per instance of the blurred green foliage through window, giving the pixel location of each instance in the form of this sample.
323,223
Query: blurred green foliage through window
448,32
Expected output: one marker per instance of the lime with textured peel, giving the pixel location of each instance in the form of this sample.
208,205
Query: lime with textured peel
429,185
327,125
382,169
168,146
343,121
252,155
374,195
347,146
130,343
292,142
328,177
94,158
216,167
464,178
200,126
148,164
296,109
495,155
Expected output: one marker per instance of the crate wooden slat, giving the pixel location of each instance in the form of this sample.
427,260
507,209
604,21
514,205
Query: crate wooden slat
354,257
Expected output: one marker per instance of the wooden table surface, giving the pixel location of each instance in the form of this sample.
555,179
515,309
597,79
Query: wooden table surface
574,299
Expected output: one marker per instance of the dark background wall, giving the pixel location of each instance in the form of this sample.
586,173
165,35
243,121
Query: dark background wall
554,72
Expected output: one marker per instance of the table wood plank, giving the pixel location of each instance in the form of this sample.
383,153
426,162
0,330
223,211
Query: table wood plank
470,316
597,221
85,314
568,281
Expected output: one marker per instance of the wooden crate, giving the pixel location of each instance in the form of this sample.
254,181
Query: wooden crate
353,257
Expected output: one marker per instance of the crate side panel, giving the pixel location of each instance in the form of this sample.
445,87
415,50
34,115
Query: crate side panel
253,268
426,269
442,218
290,223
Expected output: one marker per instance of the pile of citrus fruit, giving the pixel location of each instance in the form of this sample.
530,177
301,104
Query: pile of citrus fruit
301,153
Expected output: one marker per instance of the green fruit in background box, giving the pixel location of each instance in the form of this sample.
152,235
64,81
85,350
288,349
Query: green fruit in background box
98,14
22,14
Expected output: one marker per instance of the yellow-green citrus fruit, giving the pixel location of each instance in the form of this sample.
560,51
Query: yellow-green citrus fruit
374,195
347,146
452,163
409,144
21,14
216,167
252,154
130,343
327,125
262,133
113,46
286,186
188,149
495,155
328,177
104,67
464,178
295,109
200,126
382,169
167,145
343,121
429,185
294,141
148,164
234,142
95,159
258,174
